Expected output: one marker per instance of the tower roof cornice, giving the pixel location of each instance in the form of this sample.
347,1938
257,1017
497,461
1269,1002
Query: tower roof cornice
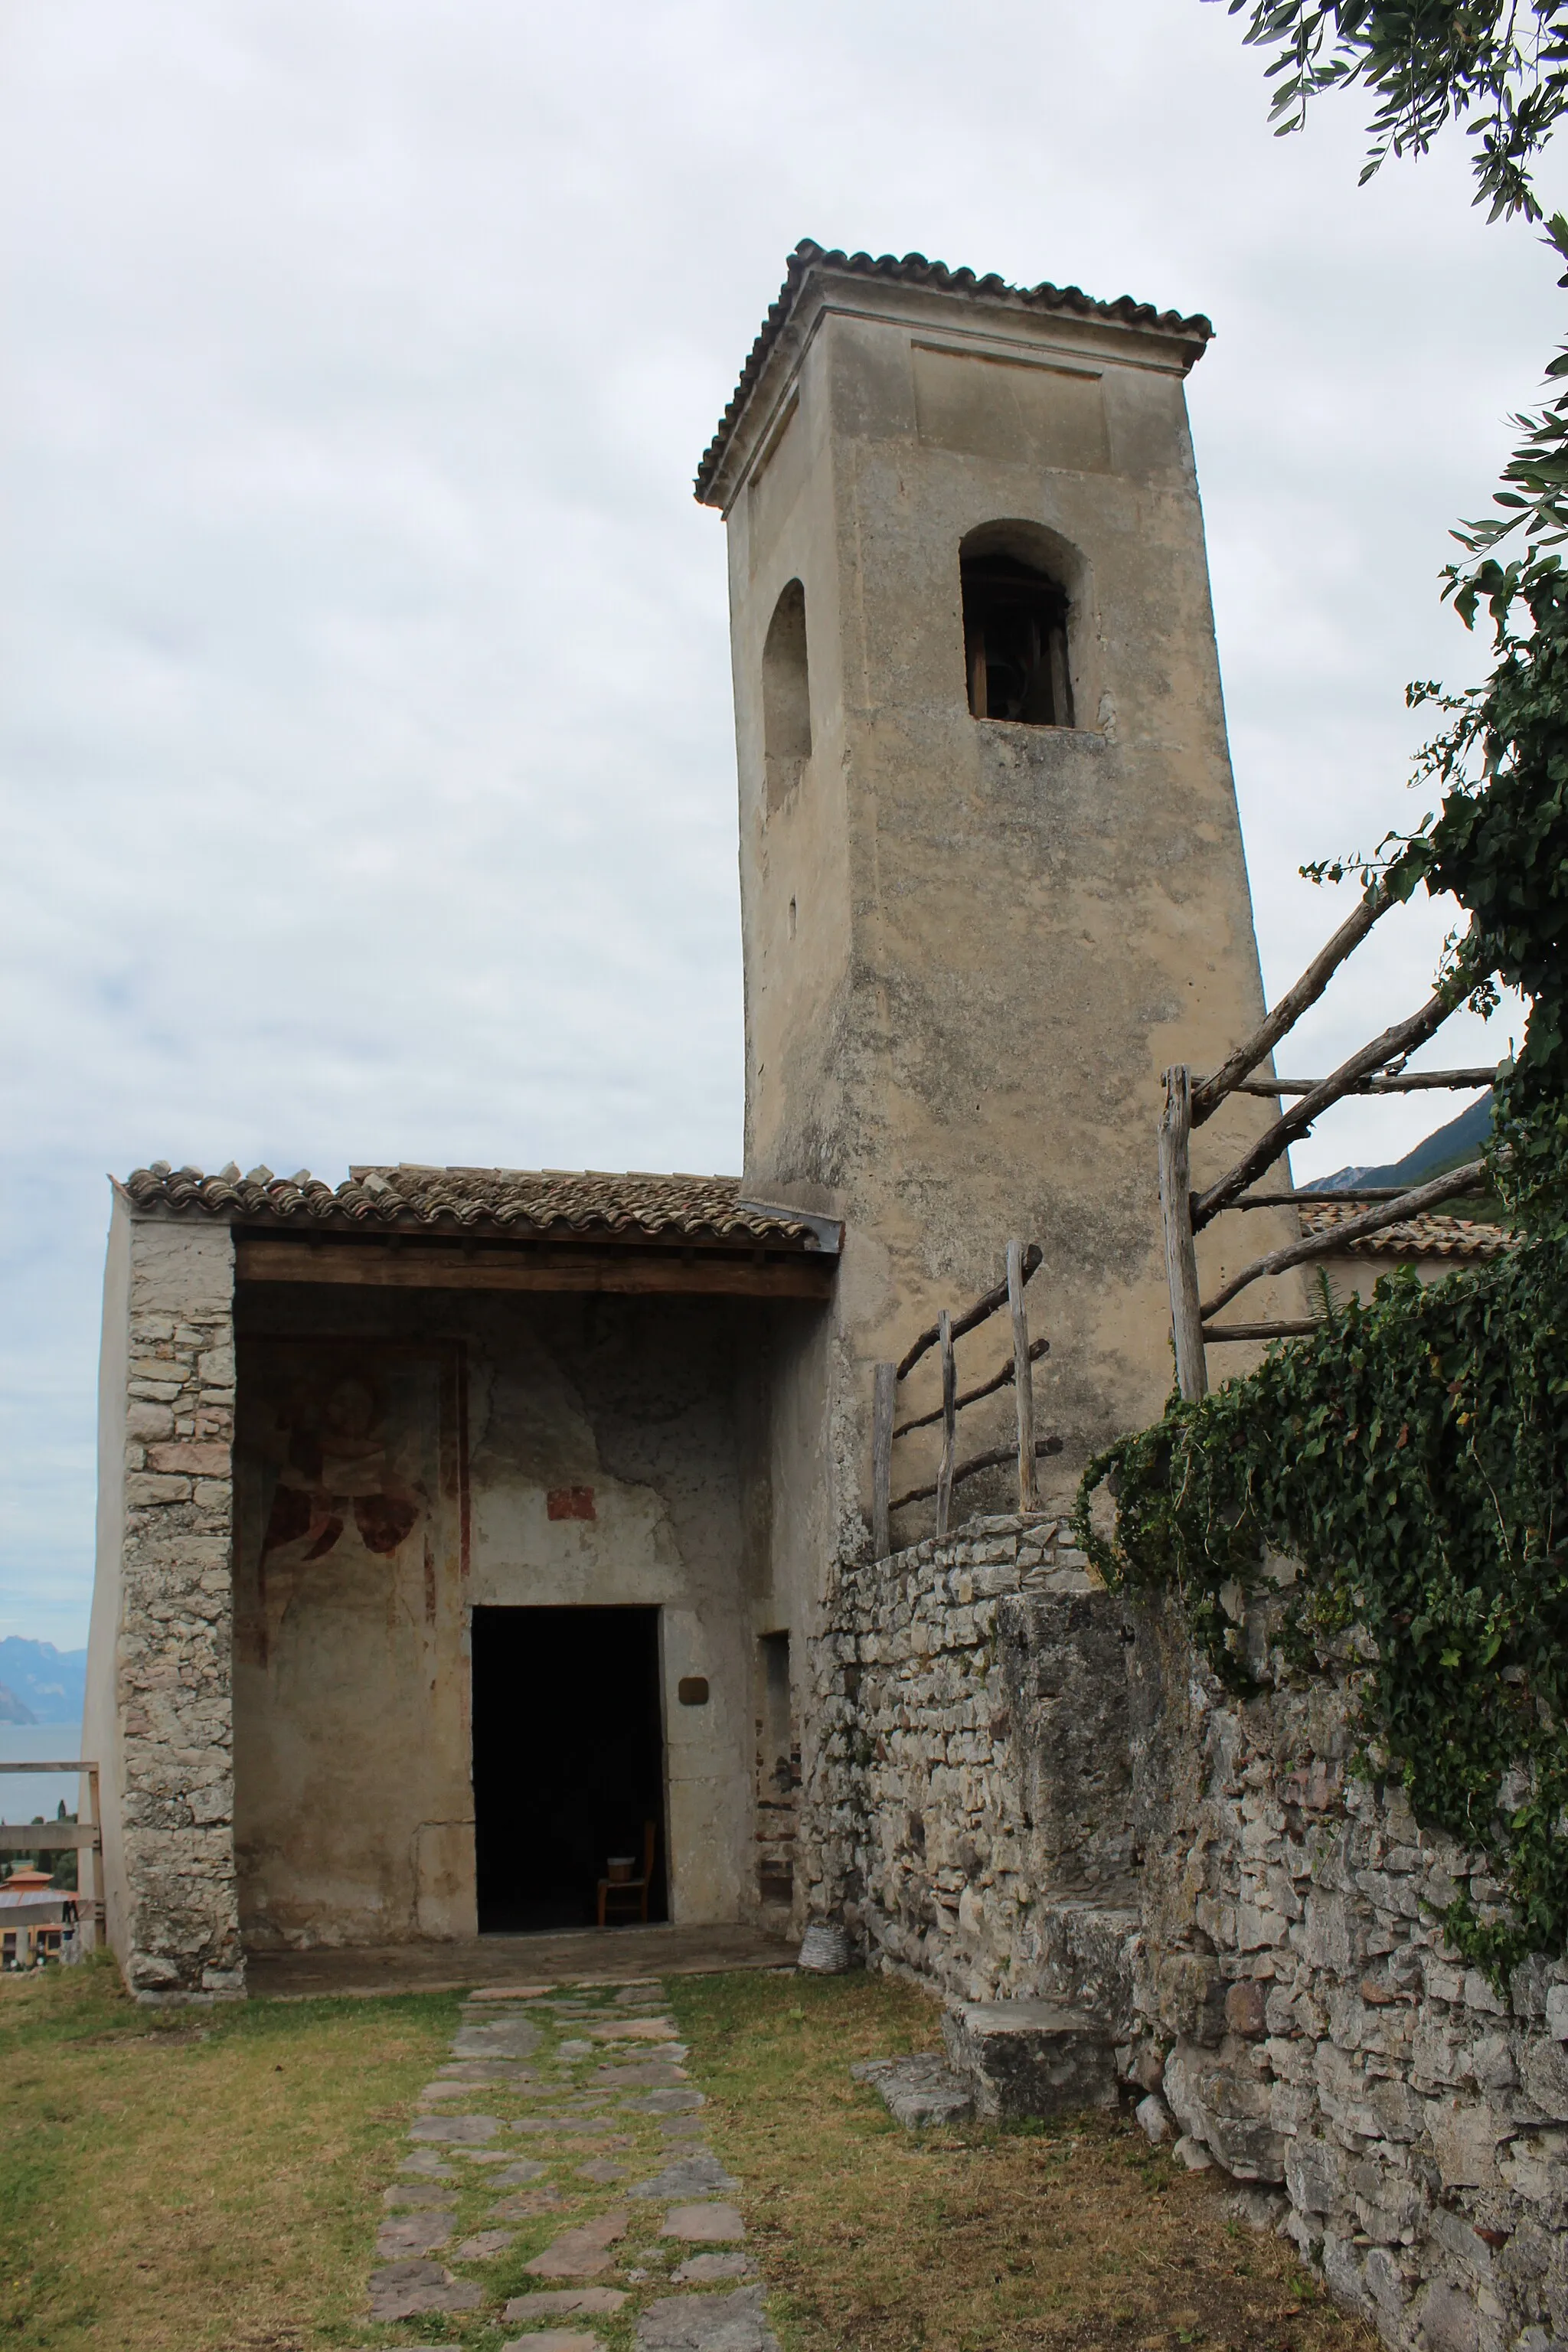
810,263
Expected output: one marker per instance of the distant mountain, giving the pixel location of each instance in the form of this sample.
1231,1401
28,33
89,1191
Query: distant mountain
12,1710
1447,1147
50,1685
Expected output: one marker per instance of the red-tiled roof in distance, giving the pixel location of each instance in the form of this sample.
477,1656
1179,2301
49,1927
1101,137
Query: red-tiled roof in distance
914,270
1465,1240
495,1200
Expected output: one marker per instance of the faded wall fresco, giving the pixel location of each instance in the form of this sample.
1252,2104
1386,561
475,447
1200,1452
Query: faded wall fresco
348,1597
406,1458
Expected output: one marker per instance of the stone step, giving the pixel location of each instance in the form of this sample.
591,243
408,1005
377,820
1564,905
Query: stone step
1030,2057
918,2090
1085,1959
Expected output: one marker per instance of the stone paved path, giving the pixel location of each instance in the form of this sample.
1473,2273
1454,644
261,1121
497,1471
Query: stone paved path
575,2100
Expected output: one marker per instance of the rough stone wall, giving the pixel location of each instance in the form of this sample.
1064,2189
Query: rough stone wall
968,1800
1252,1921
171,1696
1316,2032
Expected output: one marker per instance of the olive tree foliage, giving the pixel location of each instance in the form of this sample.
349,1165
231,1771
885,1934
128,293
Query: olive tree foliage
1502,69
1497,70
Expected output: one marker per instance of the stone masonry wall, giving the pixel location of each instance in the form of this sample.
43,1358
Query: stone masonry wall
968,1802
1253,1921
174,1650
1309,2028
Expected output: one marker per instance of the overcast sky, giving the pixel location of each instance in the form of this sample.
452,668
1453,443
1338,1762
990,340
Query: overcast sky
364,717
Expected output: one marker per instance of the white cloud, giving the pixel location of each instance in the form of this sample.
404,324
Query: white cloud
366,719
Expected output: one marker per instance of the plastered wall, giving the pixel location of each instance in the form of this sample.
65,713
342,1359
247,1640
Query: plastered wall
434,1455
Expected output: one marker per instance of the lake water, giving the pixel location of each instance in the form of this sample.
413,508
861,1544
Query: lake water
25,1794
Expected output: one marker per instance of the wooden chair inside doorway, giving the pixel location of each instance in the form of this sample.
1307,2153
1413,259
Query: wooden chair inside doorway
634,1890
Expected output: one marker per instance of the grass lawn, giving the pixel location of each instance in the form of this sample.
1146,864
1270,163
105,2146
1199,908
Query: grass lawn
211,2181
1076,2235
197,2178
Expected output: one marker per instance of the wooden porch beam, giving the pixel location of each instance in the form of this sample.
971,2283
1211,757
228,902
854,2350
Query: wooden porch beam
414,1265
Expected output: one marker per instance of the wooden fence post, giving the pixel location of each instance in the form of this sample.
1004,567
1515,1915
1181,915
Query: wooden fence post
1176,1216
1023,1380
884,1396
949,1421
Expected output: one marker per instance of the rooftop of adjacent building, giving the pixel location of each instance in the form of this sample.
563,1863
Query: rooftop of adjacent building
1463,1240
810,261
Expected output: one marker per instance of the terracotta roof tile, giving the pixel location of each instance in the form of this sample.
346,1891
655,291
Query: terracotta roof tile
480,1200
914,270
1465,1240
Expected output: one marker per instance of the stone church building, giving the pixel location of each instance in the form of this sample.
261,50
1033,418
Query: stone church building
462,1529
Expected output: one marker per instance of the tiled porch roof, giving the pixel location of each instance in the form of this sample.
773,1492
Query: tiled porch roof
518,1201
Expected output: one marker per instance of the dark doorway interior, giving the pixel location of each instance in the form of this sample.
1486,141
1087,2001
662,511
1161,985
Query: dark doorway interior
568,1761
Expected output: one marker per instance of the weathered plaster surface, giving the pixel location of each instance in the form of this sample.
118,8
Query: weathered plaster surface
159,1710
356,1804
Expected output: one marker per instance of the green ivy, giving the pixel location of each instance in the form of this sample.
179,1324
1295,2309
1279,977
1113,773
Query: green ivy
1410,1457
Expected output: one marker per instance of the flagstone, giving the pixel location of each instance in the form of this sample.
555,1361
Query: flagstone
454,2129
561,2302
406,2290
689,2176
528,2204
414,2233
707,2224
707,2323
584,2252
484,2246
501,2037
557,2339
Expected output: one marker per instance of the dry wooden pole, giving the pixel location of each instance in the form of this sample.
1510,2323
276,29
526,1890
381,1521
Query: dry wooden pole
993,1460
1469,1179
1176,1217
1216,1333
989,1305
1209,1093
96,1914
1038,1347
883,1396
1403,1038
1398,1082
1022,1379
949,1421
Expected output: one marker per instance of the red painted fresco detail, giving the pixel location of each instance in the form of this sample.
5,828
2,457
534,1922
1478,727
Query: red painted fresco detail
570,1503
384,1520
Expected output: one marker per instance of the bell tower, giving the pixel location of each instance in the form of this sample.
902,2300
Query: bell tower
990,868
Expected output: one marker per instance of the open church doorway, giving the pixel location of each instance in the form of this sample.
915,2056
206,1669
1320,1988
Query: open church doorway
568,1764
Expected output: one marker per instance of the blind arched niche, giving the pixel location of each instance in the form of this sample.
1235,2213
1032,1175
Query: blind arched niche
786,696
